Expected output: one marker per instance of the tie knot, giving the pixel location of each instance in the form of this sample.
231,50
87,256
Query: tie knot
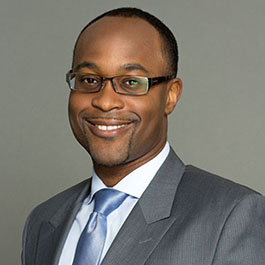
107,200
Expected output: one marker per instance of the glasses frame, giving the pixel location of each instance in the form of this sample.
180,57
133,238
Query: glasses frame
152,81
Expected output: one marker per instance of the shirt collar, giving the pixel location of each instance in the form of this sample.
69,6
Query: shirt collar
137,181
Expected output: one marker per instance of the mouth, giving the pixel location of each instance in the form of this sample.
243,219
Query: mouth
108,128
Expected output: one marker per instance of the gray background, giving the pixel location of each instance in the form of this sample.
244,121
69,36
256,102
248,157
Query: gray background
218,124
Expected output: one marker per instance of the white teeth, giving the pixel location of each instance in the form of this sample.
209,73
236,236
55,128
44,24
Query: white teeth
109,128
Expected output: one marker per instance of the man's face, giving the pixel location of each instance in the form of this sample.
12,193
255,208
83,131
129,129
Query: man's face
120,129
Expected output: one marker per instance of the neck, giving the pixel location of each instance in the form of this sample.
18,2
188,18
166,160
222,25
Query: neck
112,175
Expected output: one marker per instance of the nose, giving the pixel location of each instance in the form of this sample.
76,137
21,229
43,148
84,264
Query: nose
107,99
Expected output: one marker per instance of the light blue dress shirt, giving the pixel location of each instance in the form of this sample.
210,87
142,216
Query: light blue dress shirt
133,184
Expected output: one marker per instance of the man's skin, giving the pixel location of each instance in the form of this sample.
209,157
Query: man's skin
110,47
185,215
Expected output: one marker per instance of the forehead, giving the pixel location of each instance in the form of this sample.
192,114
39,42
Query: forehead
119,40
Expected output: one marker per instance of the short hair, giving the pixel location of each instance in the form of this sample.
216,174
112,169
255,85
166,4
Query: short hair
169,47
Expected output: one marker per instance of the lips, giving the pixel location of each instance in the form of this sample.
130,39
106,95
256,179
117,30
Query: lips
110,127
106,128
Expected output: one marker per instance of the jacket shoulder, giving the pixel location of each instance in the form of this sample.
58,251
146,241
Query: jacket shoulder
213,191
210,180
48,208
59,206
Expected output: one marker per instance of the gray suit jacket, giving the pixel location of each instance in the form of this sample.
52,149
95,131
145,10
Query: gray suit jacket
186,216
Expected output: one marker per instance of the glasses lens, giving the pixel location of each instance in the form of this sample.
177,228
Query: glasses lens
132,85
83,82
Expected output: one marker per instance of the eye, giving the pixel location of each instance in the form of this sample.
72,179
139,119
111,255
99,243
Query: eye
131,82
89,80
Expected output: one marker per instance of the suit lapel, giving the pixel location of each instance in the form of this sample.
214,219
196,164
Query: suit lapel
53,232
142,231
150,219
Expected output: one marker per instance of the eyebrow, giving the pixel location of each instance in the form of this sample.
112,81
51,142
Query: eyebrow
133,66
127,67
86,64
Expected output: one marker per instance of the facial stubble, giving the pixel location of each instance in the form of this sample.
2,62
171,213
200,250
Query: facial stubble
111,155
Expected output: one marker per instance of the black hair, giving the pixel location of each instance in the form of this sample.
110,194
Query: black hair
170,47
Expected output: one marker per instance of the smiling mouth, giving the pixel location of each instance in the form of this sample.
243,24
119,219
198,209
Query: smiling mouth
109,127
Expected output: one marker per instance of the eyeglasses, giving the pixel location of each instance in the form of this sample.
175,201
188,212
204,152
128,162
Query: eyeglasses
124,84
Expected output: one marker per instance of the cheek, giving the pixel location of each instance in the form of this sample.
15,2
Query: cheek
76,104
152,114
77,101
155,106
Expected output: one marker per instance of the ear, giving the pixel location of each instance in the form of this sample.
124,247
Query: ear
173,94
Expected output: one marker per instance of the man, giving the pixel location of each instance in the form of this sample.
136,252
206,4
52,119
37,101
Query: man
123,87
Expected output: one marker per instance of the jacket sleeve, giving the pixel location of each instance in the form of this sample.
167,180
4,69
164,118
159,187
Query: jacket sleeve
242,241
24,239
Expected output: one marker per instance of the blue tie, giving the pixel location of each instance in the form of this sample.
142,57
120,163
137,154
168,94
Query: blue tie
92,239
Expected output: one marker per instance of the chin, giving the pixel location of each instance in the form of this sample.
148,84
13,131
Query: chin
109,160
110,156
